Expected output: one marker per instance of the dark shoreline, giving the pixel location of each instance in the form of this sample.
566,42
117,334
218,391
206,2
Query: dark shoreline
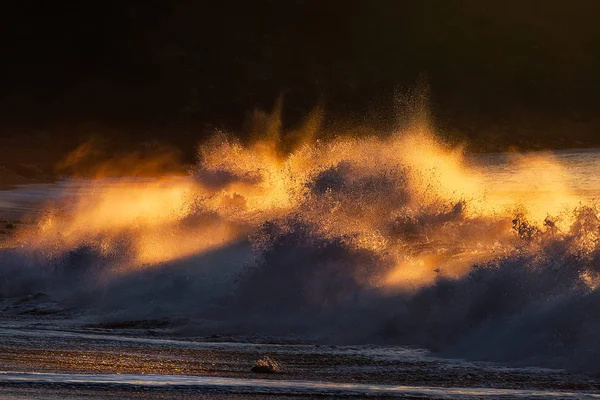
159,352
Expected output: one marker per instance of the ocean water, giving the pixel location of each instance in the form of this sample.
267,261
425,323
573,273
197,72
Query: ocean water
372,242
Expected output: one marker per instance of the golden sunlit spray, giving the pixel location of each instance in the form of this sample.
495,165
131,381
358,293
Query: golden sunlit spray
406,197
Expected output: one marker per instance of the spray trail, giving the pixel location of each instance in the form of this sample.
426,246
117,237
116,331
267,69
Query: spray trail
419,205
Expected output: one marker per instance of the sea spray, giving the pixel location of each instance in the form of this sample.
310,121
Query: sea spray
397,239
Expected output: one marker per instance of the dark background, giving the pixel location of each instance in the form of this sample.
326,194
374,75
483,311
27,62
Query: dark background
135,74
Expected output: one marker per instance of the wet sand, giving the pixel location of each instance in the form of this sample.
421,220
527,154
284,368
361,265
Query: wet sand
154,364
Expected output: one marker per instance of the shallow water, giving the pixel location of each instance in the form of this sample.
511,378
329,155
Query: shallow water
282,387
53,360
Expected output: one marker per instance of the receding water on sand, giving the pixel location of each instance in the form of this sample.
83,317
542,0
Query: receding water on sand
70,362
282,387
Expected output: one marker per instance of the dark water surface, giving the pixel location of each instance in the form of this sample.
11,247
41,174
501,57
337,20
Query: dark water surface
66,363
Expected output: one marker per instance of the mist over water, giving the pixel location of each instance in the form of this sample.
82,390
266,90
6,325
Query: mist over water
399,240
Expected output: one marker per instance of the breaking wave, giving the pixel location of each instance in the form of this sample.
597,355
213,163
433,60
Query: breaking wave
397,240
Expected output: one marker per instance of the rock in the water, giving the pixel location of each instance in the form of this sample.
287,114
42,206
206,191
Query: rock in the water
266,365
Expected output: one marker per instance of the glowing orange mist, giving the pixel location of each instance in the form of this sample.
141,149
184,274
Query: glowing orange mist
148,217
407,198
